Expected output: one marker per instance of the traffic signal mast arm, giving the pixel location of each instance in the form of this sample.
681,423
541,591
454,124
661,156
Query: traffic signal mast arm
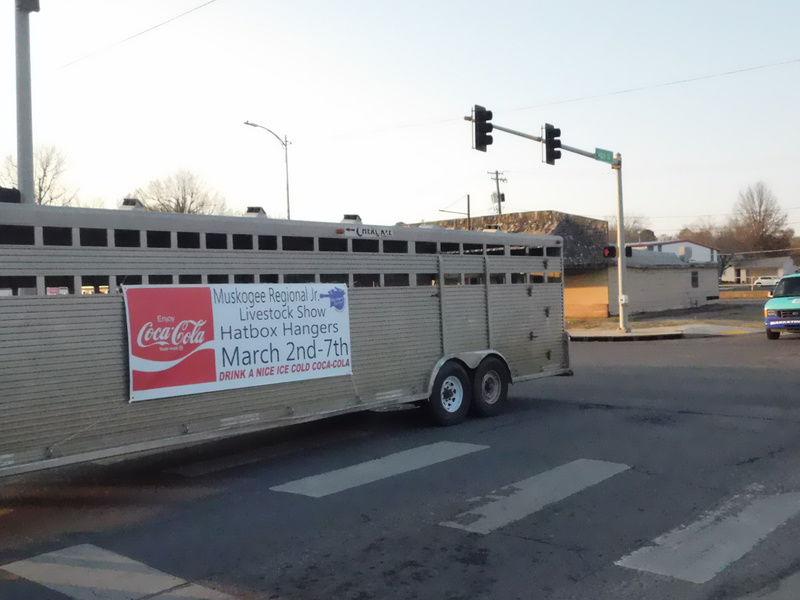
539,139
552,143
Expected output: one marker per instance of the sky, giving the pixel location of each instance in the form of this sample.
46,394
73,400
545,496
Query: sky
372,96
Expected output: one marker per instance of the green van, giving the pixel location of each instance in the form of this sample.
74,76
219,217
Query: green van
782,310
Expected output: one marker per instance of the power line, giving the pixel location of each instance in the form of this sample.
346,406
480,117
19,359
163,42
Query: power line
725,214
663,84
459,199
760,251
737,71
137,34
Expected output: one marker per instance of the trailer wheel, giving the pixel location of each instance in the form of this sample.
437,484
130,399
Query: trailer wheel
489,387
451,395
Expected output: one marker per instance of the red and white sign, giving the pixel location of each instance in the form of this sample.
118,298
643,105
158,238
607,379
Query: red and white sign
194,339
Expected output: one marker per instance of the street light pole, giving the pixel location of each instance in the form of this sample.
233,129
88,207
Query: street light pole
24,110
286,161
285,143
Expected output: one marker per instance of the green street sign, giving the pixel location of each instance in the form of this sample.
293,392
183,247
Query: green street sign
604,155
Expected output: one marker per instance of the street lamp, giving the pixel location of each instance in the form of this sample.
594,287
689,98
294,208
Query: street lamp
24,111
285,143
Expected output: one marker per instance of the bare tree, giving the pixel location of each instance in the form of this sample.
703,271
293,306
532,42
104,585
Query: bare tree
181,192
636,229
703,232
48,174
647,235
758,222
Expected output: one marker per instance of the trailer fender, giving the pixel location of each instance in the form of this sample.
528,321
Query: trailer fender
469,360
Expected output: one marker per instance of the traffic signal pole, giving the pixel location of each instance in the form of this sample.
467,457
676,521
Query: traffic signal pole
616,164
622,299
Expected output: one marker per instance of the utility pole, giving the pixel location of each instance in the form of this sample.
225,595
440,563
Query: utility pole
496,177
24,110
468,214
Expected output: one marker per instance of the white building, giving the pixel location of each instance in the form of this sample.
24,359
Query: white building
747,270
688,251
654,281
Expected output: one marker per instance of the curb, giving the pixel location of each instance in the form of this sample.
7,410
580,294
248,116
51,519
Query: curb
633,337
643,336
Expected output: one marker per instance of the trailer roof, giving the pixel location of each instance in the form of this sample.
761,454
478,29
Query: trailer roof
56,216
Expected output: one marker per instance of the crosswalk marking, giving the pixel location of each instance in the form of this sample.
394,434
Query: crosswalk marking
518,500
87,572
339,480
700,550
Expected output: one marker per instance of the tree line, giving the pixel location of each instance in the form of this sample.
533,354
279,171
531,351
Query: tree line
756,223
181,192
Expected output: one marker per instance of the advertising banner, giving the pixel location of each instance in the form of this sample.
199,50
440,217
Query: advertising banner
188,339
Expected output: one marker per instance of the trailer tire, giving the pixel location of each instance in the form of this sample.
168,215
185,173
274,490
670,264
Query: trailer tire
489,387
451,395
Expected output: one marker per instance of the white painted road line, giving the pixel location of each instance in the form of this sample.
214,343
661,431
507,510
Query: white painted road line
518,500
697,552
87,572
332,482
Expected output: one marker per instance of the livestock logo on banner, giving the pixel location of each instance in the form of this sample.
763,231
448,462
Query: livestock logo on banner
193,339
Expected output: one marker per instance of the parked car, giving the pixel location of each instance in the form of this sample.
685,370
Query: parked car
782,310
766,281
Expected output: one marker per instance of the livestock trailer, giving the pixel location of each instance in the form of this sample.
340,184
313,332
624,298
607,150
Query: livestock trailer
445,317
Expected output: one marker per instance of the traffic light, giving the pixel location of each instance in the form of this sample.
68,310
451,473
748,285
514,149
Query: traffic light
551,144
28,5
611,251
481,118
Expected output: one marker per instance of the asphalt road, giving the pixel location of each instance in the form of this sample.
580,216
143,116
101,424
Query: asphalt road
661,470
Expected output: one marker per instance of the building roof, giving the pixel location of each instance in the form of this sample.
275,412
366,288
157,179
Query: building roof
584,237
655,259
642,259
664,242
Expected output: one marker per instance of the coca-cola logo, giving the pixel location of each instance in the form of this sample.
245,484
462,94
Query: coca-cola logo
186,332
171,336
